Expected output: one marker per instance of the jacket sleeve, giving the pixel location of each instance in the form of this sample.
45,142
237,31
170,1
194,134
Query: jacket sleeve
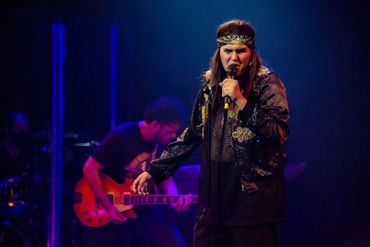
267,113
178,151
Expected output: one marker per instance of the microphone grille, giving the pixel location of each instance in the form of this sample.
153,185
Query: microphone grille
231,70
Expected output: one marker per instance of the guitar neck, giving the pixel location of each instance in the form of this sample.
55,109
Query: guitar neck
152,199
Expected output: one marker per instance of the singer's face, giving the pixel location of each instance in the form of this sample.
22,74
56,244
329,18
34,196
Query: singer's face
235,54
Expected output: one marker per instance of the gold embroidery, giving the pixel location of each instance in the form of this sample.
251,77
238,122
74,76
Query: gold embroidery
181,137
263,71
233,111
261,172
207,75
204,113
243,134
250,187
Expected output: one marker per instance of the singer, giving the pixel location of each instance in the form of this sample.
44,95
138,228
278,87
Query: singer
241,182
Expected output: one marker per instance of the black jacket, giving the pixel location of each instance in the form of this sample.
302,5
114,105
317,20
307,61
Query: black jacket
258,133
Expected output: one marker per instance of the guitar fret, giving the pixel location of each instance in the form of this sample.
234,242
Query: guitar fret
151,199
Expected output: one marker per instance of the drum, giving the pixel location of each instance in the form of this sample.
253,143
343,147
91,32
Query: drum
10,237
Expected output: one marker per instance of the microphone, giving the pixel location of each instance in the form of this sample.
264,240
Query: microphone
230,73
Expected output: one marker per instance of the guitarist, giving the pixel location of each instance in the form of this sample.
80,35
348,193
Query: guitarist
124,151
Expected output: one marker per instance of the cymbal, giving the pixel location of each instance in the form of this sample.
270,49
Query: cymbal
86,144
46,134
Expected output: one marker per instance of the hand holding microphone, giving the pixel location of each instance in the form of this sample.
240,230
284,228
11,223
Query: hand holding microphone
230,86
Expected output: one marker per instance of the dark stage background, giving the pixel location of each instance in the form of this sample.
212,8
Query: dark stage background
319,49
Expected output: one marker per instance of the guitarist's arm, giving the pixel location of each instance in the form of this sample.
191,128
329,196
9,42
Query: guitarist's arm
91,171
168,187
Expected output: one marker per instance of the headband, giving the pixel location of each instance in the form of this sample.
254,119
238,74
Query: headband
235,39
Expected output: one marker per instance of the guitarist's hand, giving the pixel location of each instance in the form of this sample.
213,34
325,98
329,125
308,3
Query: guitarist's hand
140,184
116,216
182,204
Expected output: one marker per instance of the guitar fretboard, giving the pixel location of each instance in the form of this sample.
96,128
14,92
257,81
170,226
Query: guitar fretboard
152,199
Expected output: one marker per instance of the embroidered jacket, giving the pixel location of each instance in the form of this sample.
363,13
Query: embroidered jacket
258,133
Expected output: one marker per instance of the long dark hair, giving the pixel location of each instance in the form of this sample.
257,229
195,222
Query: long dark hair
217,74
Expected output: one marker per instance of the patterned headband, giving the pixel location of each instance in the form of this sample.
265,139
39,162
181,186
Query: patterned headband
235,39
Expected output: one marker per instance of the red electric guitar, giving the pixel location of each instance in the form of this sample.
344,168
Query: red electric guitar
91,213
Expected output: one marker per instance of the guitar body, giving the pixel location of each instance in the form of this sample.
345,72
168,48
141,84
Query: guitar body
90,212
